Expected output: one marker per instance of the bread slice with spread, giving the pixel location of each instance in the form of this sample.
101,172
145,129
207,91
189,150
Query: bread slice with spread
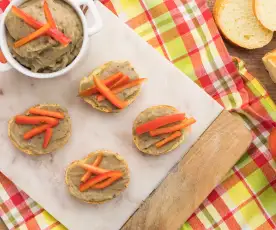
24,133
108,168
160,129
118,78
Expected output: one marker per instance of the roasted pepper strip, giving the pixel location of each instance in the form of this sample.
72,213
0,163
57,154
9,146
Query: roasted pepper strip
54,33
2,58
107,182
168,139
112,98
159,122
44,112
49,15
125,79
123,87
32,36
35,120
35,131
93,169
174,128
108,82
97,179
47,137
96,163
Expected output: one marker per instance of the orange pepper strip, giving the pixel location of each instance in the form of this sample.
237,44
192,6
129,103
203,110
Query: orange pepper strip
125,79
272,142
108,82
96,163
168,139
123,87
44,112
107,182
2,58
35,120
158,122
97,179
47,137
49,15
113,99
174,128
32,36
93,169
54,33
35,131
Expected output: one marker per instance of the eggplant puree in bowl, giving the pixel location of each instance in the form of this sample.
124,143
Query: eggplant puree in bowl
45,54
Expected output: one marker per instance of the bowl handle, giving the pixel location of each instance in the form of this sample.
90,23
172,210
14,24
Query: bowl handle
97,19
5,67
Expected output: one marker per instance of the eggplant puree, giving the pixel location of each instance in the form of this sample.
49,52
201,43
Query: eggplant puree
110,161
44,54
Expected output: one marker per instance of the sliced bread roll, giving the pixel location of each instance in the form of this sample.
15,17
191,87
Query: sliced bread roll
265,12
269,61
237,22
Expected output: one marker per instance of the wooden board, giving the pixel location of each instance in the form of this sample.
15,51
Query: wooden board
2,225
194,177
253,60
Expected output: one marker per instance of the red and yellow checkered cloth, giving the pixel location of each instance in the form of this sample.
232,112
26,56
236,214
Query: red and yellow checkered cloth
185,33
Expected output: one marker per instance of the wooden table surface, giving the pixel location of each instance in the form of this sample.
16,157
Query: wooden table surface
253,62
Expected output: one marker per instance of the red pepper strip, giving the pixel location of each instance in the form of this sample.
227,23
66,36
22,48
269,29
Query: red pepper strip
158,122
113,99
35,120
93,169
49,15
174,128
107,182
96,163
168,139
97,179
124,87
272,142
32,36
125,79
54,33
2,58
35,131
47,137
108,82
44,112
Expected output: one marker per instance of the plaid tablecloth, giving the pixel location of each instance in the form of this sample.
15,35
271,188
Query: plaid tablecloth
185,33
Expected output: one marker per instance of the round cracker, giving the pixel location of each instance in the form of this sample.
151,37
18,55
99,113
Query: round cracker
149,151
30,152
74,163
91,102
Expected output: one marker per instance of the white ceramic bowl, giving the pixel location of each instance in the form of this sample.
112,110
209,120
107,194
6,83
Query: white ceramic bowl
87,32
